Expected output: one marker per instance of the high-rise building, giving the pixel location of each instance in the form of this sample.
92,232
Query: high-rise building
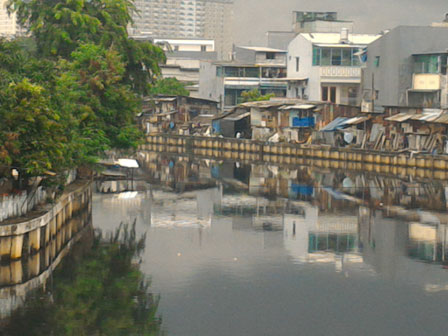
209,19
9,27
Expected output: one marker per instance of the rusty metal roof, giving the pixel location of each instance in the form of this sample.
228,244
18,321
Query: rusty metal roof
400,117
356,120
443,119
427,116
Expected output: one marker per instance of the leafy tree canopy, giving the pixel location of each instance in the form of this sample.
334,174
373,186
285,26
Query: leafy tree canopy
61,26
73,89
255,95
169,86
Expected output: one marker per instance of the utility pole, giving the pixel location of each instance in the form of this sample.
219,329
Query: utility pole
373,92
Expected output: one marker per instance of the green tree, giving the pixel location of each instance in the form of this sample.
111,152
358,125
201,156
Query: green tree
255,95
169,86
61,26
32,138
103,100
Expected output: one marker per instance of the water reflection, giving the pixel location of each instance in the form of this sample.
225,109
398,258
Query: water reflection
97,290
279,250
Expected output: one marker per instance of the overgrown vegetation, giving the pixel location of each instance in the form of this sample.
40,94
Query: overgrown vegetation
96,292
255,95
169,86
73,88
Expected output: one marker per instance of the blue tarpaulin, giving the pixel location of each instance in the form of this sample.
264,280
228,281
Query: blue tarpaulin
216,126
303,122
298,189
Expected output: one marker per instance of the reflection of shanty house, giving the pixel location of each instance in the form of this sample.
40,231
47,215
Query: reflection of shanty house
428,242
314,238
192,210
397,249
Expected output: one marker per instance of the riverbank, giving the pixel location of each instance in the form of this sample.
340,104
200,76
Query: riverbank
403,163
27,235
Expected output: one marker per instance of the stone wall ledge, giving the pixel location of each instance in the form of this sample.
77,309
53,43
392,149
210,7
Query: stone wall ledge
36,220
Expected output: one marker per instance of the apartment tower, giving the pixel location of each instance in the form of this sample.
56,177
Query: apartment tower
208,19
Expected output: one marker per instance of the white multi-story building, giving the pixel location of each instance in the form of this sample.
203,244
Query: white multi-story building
209,19
183,60
327,66
258,68
9,27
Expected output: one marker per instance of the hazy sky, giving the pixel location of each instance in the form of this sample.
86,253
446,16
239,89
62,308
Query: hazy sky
254,17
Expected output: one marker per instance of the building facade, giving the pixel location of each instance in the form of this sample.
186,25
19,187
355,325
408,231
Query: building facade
208,19
327,66
308,22
319,22
9,27
183,60
407,67
253,68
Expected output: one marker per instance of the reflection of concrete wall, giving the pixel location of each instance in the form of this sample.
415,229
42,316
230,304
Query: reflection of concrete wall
21,277
296,240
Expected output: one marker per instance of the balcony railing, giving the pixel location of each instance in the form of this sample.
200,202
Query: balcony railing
341,72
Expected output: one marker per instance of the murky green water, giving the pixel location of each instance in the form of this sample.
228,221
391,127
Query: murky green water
236,249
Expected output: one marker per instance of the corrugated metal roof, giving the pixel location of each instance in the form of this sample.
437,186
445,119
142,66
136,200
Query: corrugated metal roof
298,107
427,116
400,117
443,119
356,120
334,125
237,116
264,49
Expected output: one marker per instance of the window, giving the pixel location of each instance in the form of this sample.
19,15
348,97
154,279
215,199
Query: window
203,48
297,64
430,64
297,92
333,94
336,57
324,93
270,55
346,57
176,48
329,93
326,56
377,61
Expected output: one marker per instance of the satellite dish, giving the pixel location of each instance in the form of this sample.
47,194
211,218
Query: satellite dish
348,137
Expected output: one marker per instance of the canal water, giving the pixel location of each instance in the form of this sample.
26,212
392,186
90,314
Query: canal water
251,249
237,249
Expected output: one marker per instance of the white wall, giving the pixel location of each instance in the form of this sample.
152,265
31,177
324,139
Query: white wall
210,86
301,47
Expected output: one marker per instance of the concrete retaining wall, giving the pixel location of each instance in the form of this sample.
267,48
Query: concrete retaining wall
18,237
421,165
